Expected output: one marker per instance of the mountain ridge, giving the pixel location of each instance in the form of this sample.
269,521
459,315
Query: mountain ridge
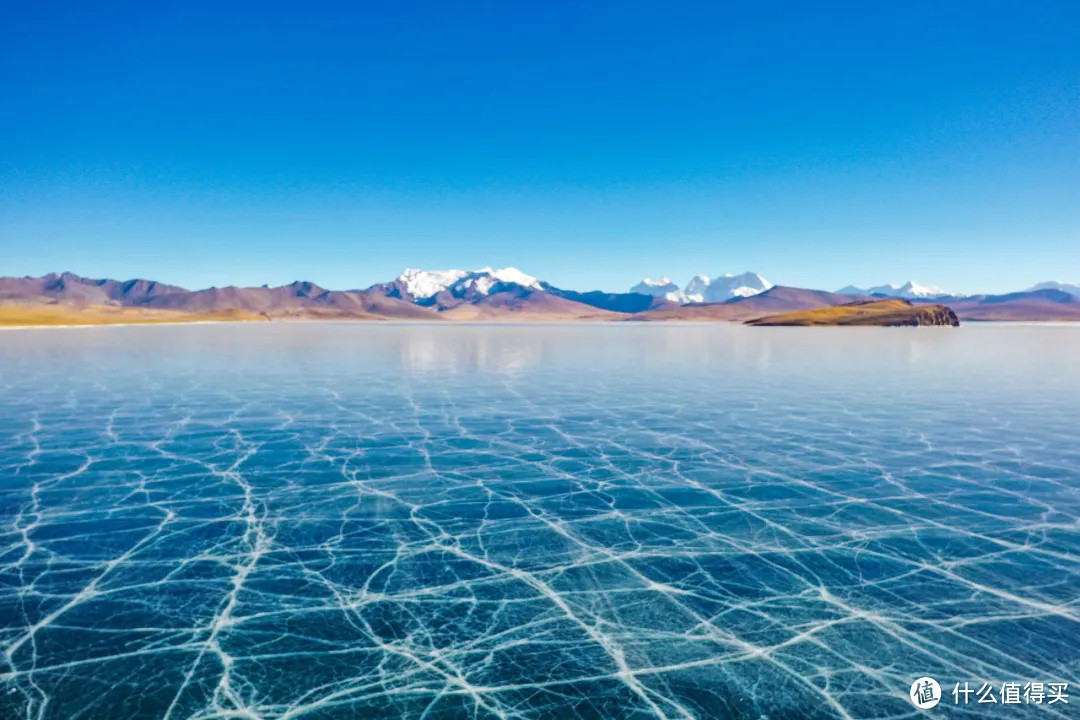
703,289
1023,306
910,290
484,294
777,299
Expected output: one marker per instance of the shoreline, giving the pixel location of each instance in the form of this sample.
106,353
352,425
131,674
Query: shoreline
493,321
152,323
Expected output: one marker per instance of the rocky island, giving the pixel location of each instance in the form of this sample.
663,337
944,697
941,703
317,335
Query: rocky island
893,312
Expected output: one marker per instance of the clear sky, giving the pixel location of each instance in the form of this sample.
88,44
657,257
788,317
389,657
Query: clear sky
589,144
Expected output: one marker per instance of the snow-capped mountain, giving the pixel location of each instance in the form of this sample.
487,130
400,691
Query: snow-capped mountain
418,285
484,279
696,287
492,292
725,287
663,288
909,290
1071,288
702,288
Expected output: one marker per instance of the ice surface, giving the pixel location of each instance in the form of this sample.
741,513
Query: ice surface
625,521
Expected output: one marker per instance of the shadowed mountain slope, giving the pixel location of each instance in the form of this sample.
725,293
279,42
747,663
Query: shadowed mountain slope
296,300
775,300
1035,305
628,302
519,303
72,289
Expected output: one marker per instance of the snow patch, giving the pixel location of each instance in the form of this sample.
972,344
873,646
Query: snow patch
909,290
424,284
1071,288
725,287
511,275
702,288
663,288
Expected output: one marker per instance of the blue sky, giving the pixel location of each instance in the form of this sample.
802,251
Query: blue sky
589,144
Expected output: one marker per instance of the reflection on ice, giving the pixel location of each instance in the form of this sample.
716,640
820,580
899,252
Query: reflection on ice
488,348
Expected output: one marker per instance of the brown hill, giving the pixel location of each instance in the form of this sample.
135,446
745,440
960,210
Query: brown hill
520,303
376,304
1035,305
629,302
296,300
775,300
893,312
70,288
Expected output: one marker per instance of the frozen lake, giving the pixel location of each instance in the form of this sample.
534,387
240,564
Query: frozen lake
535,521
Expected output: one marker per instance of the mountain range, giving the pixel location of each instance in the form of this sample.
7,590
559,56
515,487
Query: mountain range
910,290
1071,288
486,294
703,289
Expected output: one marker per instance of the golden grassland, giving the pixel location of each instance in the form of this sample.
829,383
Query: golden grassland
59,315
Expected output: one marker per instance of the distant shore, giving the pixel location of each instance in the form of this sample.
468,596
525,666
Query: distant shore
778,307
451,321
61,299
91,316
